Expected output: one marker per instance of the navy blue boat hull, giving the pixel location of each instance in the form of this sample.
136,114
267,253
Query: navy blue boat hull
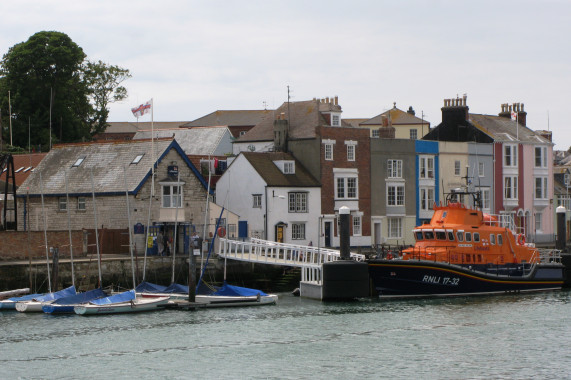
411,278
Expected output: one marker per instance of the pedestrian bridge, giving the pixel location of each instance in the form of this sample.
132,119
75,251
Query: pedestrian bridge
309,258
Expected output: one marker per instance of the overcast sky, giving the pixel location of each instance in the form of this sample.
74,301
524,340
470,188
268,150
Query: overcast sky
195,57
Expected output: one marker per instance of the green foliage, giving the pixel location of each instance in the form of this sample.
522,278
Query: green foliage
104,81
49,78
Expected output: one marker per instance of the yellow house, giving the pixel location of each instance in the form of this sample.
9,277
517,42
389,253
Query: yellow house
406,125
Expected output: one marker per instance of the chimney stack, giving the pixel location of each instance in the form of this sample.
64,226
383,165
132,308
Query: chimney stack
517,108
455,111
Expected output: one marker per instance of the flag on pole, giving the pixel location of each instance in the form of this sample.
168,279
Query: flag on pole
142,109
514,115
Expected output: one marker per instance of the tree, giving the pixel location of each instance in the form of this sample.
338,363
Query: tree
49,79
103,82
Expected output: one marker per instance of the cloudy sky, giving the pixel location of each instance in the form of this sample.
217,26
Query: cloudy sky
195,57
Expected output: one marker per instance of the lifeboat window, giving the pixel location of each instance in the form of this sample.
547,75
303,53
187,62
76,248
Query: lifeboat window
440,235
450,235
468,236
492,239
418,235
500,239
428,235
460,235
467,258
476,237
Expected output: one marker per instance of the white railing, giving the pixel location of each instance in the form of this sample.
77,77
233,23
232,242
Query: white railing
309,258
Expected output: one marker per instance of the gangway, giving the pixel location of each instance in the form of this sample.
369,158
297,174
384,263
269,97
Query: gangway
310,259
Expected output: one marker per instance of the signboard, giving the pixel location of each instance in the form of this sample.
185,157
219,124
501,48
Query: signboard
172,170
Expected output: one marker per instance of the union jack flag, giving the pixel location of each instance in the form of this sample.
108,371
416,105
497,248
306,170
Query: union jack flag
142,109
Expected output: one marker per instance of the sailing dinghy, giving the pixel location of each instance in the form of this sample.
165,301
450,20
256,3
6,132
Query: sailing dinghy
125,302
35,304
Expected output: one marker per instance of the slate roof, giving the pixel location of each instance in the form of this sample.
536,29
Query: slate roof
24,164
503,129
397,117
194,141
230,118
263,163
105,160
133,127
303,118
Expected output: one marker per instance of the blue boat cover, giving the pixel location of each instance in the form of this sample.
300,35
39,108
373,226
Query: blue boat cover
147,287
231,290
54,296
80,297
115,298
176,288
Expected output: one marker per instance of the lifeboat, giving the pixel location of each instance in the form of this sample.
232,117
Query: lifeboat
463,251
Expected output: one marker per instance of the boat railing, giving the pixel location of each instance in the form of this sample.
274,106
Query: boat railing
547,255
504,221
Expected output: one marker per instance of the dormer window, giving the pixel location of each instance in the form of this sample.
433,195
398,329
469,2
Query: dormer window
79,161
335,120
289,167
286,167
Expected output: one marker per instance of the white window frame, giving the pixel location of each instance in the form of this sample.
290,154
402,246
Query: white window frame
510,155
394,168
289,167
395,194
335,120
540,188
81,204
171,199
256,200
297,231
297,201
62,204
350,152
344,183
426,167
457,168
426,198
328,148
538,221
510,187
541,157
486,198
375,133
357,226
413,134
481,169
394,226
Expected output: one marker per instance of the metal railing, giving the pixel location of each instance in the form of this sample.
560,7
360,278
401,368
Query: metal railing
309,258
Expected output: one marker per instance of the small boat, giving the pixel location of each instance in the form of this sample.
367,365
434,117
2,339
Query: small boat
14,293
125,302
463,251
10,303
35,305
224,296
66,305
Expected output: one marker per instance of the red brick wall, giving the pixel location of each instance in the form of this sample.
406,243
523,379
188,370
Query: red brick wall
14,245
362,163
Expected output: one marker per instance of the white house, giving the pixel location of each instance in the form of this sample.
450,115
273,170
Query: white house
274,195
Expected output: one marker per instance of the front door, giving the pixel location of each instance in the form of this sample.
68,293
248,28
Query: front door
377,234
328,234
280,233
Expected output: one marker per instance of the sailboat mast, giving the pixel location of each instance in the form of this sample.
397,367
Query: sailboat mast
178,196
206,212
130,226
45,234
69,228
96,224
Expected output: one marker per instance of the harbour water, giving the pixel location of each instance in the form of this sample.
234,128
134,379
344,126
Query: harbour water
500,337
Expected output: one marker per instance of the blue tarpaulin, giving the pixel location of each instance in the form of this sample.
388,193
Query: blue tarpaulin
80,297
54,296
116,298
147,287
176,288
231,290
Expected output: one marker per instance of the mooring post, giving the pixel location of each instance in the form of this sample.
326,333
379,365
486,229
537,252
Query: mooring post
344,236
561,228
